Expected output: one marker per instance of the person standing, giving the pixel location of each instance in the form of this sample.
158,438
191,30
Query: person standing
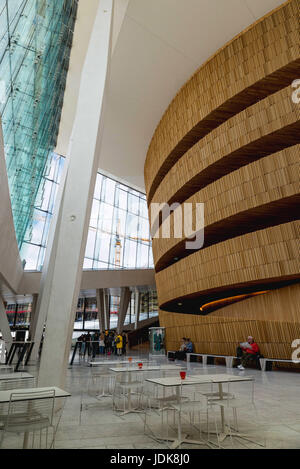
119,344
95,344
102,344
111,343
88,339
124,343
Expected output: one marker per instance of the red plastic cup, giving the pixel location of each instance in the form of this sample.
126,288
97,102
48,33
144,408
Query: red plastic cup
140,365
182,374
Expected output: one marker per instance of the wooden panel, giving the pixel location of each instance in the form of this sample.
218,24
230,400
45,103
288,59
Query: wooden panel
230,138
255,64
270,179
258,131
273,319
254,257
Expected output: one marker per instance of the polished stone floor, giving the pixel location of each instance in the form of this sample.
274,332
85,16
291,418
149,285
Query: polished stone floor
88,422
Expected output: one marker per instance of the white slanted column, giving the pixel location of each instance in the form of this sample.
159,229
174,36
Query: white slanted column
137,307
71,232
4,325
101,308
106,309
42,305
33,317
124,303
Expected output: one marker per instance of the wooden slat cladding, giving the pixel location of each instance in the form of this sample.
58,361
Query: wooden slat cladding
254,257
257,63
273,319
274,178
265,128
230,139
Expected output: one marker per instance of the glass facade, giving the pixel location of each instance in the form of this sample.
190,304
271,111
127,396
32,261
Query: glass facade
19,315
19,311
119,234
35,43
87,311
36,236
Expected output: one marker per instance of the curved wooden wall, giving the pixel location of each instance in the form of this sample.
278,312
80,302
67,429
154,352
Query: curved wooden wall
258,258
275,327
253,65
267,184
264,128
230,139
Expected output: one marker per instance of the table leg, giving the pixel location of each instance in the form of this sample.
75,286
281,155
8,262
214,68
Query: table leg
26,440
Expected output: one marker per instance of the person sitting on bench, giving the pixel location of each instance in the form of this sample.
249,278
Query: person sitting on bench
181,353
172,355
189,346
186,347
247,351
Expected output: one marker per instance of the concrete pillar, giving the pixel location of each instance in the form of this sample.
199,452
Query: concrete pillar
137,307
124,303
106,310
101,308
44,296
71,232
4,325
33,317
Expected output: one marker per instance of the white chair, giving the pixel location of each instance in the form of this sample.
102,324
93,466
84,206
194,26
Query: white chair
101,385
30,412
156,401
6,369
17,383
239,403
7,384
128,388
193,411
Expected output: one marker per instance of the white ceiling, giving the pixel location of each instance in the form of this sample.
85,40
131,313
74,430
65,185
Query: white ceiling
160,45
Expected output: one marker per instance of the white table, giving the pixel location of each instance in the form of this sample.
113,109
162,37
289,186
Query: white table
220,379
5,376
114,362
5,398
131,369
5,395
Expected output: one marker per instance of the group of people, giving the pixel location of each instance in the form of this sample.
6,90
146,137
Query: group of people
102,343
246,352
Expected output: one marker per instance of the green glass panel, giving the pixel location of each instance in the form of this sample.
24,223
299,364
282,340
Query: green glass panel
35,43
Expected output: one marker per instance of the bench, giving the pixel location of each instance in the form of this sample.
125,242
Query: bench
263,362
228,358
170,351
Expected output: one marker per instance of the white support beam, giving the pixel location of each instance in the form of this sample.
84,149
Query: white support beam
101,308
33,317
71,232
4,325
124,303
137,307
44,296
106,310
